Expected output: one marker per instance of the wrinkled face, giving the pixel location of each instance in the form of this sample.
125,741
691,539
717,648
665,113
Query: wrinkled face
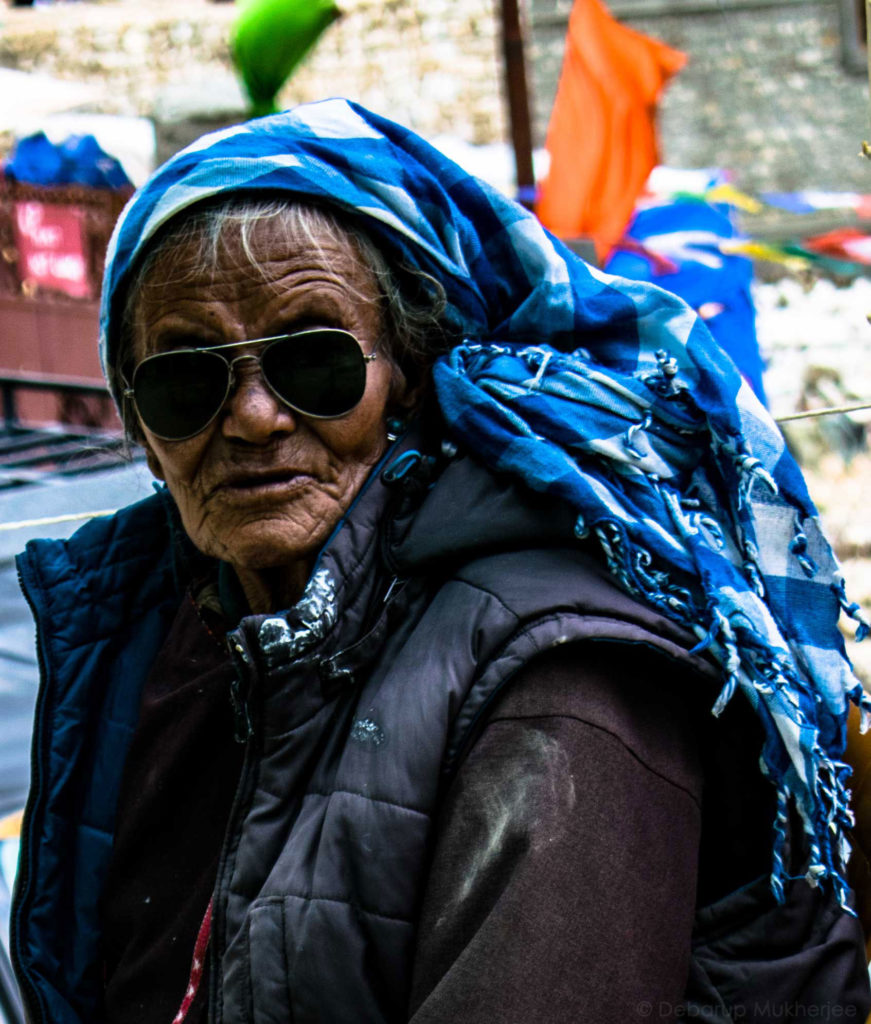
262,486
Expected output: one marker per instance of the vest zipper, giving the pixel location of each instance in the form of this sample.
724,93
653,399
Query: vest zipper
239,688
244,678
396,585
246,720
337,666
35,1011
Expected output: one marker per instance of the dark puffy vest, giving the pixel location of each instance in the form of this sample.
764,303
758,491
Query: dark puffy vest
318,896
357,706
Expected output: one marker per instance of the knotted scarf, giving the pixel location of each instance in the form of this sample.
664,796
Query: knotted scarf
608,394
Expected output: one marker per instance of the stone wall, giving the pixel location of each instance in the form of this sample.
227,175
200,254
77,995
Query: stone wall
765,92
434,65
131,51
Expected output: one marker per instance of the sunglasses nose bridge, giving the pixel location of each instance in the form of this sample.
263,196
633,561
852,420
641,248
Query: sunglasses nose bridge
231,368
252,378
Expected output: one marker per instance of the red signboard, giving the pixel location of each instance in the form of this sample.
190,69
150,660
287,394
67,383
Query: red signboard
51,250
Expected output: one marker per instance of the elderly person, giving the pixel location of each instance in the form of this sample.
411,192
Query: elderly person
393,704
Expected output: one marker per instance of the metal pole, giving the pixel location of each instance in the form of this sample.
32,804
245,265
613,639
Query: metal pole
518,101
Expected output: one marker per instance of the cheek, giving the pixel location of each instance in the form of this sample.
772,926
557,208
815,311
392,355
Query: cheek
362,434
176,464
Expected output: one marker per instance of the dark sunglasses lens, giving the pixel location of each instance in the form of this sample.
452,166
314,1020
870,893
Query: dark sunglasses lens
321,373
178,393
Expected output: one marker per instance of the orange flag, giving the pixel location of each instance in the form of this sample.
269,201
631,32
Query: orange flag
602,132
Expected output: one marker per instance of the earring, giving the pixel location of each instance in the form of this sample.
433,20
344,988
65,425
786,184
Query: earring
395,428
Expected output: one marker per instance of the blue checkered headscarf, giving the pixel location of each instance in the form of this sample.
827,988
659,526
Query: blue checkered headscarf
606,393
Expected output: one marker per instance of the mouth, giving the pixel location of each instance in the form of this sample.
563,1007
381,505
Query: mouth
267,483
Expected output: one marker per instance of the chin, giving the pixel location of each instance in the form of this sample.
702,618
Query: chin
261,547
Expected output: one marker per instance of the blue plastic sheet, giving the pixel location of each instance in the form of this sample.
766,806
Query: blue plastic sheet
78,160
688,232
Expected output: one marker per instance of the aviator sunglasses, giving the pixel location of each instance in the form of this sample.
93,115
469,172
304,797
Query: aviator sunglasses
319,373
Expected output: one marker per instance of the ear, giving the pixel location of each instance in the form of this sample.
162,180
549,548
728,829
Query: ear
153,461
404,395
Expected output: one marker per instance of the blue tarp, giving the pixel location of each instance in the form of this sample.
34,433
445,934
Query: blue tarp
78,160
687,232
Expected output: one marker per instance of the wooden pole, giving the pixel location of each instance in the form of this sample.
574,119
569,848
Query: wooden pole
868,39
518,101
866,146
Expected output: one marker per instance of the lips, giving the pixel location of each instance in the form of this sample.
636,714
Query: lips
279,476
277,482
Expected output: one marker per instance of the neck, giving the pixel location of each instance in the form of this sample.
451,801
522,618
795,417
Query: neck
272,590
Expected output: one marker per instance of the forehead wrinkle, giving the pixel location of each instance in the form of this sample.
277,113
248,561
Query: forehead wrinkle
233,298
183,265
229,251
317,287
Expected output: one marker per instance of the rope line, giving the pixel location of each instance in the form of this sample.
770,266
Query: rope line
828,411
23,524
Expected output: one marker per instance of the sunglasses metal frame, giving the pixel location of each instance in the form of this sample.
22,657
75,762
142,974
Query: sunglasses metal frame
129,390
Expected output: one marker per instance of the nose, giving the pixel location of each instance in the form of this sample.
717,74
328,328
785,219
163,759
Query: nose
252,413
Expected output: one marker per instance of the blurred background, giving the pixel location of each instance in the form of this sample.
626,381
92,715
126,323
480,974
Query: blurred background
712,146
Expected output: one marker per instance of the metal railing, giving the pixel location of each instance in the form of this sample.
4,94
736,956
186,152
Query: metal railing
13,383
84,435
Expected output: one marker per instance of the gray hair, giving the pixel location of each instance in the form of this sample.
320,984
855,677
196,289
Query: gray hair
411,302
